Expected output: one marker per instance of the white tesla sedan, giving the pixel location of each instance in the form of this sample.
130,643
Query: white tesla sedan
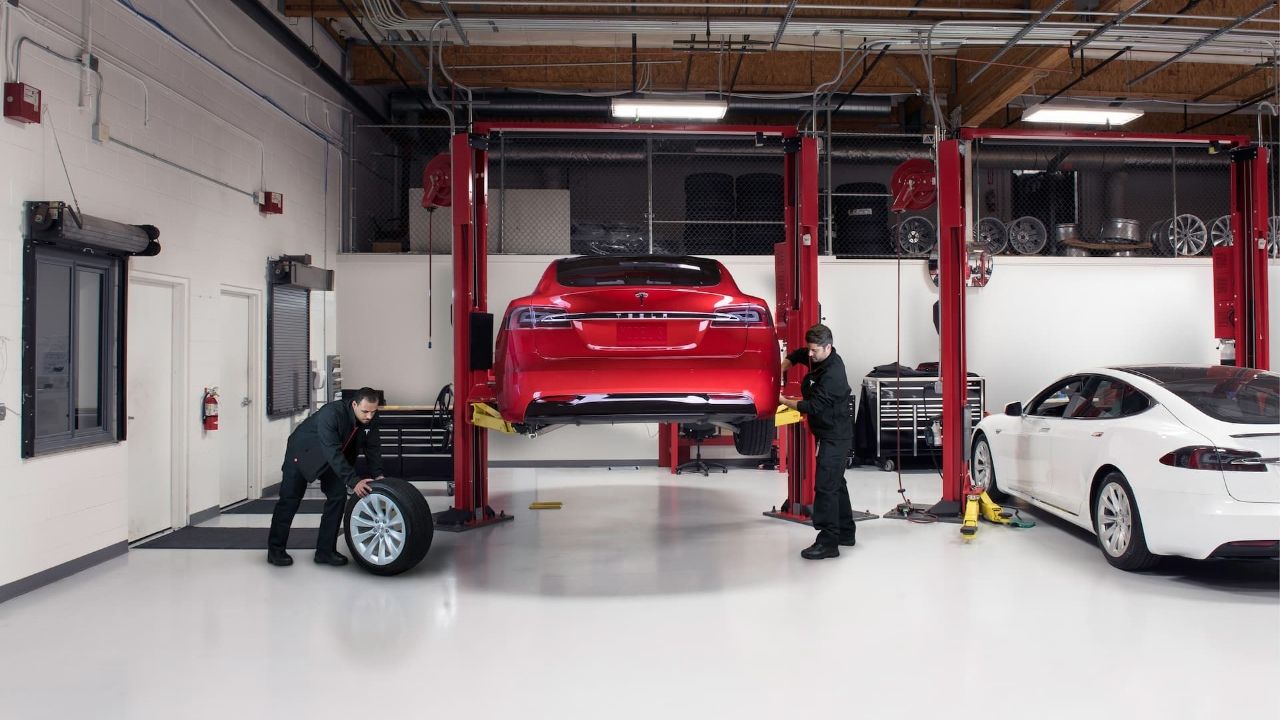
1155,460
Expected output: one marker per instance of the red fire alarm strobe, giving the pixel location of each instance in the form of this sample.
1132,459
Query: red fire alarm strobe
271,203
21,102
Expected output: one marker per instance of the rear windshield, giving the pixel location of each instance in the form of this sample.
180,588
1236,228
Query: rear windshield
601,271
1229,394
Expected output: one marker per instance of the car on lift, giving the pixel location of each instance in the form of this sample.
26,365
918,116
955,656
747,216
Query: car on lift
640,338
1154,460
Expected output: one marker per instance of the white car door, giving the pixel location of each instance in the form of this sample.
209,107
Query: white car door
1032,449
1081,443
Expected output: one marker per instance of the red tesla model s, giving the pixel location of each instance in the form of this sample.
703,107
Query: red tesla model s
646,338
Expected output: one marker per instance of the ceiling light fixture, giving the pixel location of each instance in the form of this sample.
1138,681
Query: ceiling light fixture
637,109
1078,115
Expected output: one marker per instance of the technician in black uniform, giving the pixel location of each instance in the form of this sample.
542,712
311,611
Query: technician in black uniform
826,404
325,447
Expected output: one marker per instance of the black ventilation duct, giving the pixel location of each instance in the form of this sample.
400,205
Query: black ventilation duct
56,223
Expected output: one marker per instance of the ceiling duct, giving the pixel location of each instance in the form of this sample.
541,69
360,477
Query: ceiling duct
878,151
56,223
508,103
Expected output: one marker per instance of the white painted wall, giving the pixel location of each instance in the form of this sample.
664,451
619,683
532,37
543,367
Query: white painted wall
212,236
1039,318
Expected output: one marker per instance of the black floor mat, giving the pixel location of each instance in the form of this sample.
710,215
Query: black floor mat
265,506
202,538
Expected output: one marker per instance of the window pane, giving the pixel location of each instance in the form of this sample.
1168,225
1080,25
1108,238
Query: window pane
52,347
88,367
1055,401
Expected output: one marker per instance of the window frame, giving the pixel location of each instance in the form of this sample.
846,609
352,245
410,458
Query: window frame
111,360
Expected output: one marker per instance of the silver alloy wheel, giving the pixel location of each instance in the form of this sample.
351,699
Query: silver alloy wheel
982,465
1115,520
378,529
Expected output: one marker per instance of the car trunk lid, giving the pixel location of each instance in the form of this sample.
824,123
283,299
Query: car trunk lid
643,321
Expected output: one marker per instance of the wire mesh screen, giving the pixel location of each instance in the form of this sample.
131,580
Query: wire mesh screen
1080,199
858,170
601,194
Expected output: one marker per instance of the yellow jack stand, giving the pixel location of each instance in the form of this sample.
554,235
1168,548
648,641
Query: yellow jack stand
982,506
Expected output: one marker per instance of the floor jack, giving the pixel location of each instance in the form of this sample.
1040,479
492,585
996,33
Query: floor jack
980,505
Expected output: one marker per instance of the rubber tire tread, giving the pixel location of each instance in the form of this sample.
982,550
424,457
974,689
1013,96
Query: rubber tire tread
1137,558
418,521
755,437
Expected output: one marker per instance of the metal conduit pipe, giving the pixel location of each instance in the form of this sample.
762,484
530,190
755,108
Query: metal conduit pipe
276,28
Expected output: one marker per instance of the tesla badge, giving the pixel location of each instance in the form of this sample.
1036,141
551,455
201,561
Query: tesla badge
641,296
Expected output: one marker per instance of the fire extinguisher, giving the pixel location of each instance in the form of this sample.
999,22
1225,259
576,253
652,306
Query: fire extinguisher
209,409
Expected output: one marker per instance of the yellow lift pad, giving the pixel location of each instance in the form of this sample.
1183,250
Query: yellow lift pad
786,416
486,416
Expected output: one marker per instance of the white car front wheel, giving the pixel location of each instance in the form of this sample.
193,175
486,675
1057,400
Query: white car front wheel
1118,525
983,470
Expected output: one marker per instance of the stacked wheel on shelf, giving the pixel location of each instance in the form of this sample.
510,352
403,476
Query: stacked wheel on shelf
991,235
916,236
1184,234
1027,235
1220,233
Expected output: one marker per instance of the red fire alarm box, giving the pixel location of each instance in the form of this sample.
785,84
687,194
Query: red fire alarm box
21,102
271,203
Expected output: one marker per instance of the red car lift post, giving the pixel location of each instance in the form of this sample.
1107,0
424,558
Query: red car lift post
796,310
1243,265
471,373
469,154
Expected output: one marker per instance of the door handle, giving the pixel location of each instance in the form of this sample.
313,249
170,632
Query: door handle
1044,429
245,402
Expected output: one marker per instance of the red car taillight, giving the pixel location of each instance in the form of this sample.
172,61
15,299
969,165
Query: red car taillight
537,318
1214,458
741,316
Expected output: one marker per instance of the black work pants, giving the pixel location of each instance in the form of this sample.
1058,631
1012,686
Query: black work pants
832,512
292,487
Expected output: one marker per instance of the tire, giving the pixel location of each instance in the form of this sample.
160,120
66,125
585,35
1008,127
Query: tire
393,505
887,465
755,437
983,470
1117,525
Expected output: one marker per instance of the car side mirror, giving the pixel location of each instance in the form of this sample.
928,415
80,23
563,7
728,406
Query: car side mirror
1014,409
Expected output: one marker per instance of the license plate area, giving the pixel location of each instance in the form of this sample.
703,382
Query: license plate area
642,333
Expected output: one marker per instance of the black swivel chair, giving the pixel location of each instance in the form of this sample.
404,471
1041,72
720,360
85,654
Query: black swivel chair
698,433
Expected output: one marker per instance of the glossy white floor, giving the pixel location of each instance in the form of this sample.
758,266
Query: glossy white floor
654,595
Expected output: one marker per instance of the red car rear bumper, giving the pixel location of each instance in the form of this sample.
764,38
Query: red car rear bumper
613,390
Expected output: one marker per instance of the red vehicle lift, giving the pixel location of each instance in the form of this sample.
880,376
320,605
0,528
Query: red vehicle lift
796,309
1240,269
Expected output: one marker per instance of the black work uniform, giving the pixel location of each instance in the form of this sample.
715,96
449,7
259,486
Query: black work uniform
826,405
334,433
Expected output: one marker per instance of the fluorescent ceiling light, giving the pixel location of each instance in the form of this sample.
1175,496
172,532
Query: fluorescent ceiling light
635,109
1077,115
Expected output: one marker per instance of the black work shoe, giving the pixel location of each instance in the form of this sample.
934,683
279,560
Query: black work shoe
818,551
848,540
336,559
279,557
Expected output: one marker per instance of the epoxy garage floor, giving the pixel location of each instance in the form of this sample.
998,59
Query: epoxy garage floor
651,595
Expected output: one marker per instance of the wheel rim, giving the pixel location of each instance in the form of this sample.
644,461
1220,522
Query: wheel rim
1188,235
1115,520
1273,237
916,236
982,469
991,235
378,529
1027,235
1220,231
